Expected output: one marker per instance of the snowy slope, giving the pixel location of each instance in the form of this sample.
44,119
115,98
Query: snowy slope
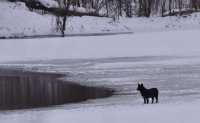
49,3
17,20
157,24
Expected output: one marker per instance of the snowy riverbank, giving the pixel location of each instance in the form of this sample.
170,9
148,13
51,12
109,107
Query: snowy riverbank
27,23
185,43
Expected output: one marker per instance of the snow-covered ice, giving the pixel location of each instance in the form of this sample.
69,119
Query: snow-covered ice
167,60
161,113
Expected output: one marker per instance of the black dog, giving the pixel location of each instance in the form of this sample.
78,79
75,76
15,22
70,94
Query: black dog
148,93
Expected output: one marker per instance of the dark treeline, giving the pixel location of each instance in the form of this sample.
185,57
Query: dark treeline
116,8
128,8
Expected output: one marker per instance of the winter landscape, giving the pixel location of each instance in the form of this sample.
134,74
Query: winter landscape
83,60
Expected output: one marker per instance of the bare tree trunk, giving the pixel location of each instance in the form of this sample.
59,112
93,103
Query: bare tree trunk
63,26
163,7
170,7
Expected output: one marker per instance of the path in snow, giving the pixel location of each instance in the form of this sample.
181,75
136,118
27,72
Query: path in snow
67,35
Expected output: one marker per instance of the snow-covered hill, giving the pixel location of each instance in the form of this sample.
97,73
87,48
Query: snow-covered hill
17,21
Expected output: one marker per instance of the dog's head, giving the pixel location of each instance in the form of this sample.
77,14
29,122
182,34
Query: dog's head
140,86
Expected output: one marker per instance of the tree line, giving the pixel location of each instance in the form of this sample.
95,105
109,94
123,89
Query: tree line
128,8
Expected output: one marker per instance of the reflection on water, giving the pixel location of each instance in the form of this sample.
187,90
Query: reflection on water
27,90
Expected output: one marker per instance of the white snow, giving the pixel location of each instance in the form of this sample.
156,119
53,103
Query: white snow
148,44
156,113
17,20
158,24
49,3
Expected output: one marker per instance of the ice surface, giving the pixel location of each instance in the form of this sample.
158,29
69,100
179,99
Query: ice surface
165,113
171,64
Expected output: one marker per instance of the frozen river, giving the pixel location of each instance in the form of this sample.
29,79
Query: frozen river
176,77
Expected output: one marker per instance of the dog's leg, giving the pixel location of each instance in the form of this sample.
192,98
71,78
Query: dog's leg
147,100
144,100
156,99
152,100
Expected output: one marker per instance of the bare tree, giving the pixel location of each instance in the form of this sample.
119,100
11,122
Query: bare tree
61,19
